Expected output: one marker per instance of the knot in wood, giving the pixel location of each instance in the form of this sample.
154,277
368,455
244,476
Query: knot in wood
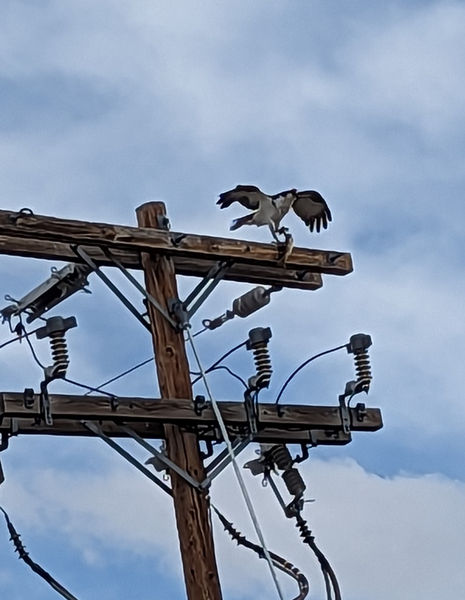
170,351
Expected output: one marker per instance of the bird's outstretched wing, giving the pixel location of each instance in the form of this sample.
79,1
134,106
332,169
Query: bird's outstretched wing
247,195
311,207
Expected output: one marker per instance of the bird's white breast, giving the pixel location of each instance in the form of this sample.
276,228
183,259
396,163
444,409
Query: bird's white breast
283,203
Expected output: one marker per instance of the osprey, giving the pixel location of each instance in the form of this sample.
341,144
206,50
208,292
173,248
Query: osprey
309,205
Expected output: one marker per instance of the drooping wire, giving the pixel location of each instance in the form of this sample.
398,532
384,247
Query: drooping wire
225,368
217,362
24,555
237,471
304,364
231,372
76,383
26,335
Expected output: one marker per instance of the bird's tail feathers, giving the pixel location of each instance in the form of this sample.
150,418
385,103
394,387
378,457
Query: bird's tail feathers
246,220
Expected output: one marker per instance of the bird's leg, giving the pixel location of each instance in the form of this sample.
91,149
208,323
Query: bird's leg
273,233
285,249
284,246
283,231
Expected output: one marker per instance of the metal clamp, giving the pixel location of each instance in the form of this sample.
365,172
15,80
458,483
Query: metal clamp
251,412
45,408
343,407
183,310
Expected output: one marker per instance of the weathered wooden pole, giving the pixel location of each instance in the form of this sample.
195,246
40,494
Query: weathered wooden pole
191,506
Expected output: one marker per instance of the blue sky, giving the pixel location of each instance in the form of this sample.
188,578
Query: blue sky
104,106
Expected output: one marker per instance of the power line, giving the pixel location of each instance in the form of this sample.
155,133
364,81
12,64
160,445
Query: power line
29,343
19,338
87,387
217,362
130,370
225,368
304,364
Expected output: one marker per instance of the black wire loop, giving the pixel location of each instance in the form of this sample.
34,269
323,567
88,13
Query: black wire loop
304,364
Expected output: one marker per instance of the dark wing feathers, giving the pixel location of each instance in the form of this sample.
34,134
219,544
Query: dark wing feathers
247,195
311,207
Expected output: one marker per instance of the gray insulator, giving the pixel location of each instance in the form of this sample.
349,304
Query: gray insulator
250,302
294,482
59,350
363,370
281,456
263,368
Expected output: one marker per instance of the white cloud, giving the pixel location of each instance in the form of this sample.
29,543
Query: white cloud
395,536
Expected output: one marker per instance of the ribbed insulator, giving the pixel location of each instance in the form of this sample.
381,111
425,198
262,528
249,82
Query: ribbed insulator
59,353
294,482
262,360
280,456
363,370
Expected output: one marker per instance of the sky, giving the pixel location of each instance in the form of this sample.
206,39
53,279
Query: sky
107,105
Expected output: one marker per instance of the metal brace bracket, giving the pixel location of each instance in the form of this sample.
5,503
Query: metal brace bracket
161,456
214,468
183,310
223,459
139,287
88,260
345,413
125,454
45,407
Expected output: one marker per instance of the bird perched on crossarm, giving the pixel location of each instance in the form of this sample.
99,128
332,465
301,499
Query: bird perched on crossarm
309,205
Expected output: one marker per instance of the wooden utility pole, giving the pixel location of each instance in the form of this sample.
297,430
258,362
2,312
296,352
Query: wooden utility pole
163,254
191,506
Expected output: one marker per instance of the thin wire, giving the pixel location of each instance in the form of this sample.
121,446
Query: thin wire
19,338
230,371
102,385
217,362
305,363
226,354
200,331
29,343
87,387
224,432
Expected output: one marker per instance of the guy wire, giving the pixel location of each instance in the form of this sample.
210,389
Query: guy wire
247,499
